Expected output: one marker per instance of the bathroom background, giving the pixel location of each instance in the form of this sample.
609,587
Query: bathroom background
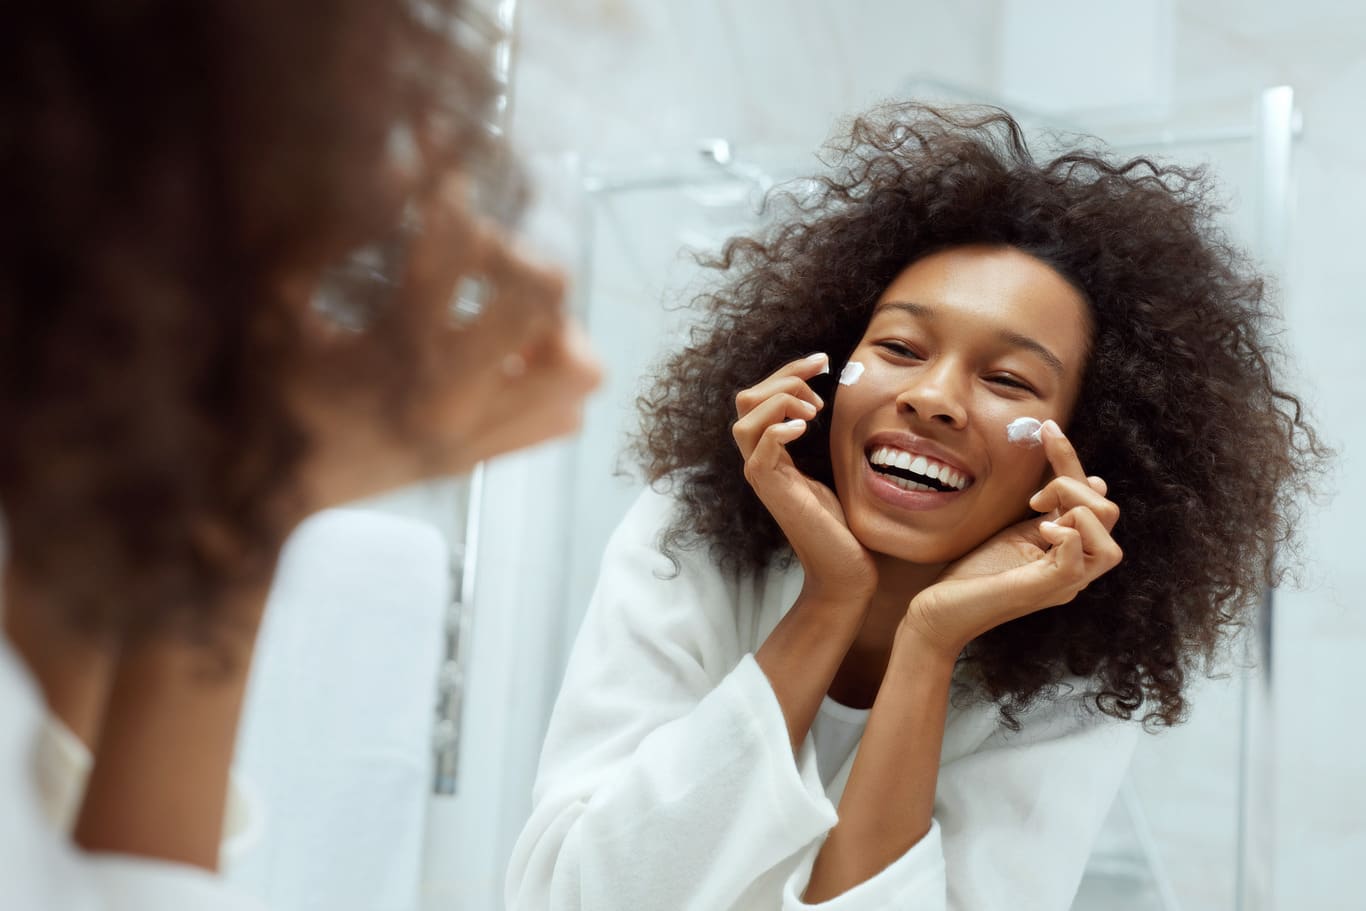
422,642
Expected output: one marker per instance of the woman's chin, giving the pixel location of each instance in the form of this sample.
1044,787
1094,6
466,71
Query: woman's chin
908,546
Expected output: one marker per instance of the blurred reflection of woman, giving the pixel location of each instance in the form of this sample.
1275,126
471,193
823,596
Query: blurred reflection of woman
175,397
857,648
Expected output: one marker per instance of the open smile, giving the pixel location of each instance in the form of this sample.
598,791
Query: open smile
910,474
917,472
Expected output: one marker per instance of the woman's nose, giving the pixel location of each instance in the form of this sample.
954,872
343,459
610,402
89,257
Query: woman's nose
935,393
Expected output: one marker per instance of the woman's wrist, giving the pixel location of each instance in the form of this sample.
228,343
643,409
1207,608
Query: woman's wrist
919,644
921,654
838,599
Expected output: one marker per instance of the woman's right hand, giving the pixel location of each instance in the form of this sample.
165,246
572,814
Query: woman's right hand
771,414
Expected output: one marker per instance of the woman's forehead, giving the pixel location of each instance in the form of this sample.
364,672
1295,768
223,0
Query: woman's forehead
1002,289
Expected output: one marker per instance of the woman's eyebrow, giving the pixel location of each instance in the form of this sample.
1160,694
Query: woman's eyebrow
1013,339
910,307
1016,340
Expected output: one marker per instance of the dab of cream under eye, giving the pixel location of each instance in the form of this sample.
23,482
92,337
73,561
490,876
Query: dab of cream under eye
1025,432
851,373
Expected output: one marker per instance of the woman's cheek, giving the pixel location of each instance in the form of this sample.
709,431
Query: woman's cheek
871,380
851,373
1020,468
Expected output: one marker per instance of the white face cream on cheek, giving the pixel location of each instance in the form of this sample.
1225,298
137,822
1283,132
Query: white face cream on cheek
851,373
1025,432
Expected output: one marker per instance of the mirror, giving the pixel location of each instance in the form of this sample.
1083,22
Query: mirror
653,132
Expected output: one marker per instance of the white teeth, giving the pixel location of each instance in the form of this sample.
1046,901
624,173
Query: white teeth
911,485
897,458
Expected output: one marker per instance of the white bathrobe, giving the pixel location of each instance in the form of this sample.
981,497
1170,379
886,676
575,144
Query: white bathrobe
668,782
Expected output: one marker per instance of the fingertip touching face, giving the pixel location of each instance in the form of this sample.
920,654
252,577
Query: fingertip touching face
960,344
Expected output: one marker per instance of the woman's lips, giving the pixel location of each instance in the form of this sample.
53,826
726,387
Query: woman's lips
888,491
915,445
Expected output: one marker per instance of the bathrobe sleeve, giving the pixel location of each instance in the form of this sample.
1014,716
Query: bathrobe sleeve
1015,819
667,779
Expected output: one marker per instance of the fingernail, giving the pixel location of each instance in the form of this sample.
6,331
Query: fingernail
794,423
1047,524
819,356
1052,427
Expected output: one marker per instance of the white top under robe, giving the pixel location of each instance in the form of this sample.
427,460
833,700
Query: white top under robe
835,733
667,782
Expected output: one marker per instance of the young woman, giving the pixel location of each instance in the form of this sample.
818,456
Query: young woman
862,647
192,360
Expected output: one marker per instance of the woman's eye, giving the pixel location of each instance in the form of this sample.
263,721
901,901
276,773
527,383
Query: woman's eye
1011,382
899,349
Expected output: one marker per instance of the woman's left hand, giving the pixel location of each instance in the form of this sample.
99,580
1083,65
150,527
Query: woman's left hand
1032,565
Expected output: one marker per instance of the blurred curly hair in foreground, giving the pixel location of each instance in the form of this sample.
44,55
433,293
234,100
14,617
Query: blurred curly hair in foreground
168,168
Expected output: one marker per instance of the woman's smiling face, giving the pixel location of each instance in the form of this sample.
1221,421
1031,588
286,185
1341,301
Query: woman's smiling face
961,343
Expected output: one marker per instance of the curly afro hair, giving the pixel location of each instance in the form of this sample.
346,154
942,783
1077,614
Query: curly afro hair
1180,408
